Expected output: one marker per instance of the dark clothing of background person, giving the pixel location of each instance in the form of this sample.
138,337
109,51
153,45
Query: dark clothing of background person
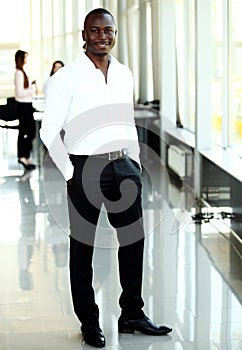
23,95
26,129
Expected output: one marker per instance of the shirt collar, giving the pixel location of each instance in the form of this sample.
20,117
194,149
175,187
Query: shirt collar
86,60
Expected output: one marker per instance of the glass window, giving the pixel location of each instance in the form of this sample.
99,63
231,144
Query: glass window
68,15
133,45
97,3
14,22
7,65
58,46
190,122
69,48
47,58
150,92
81,13
217,71
235,122
35,21
35,64
180,58
46,18
185,60
58,19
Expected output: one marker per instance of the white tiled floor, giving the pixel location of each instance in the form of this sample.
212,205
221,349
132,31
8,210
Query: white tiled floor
192,275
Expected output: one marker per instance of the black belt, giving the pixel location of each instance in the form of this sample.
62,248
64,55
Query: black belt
111,155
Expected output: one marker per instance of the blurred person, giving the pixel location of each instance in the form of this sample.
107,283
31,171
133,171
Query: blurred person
55,66
92,100
24,90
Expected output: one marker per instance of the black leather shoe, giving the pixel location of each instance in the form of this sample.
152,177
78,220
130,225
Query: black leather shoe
143,325
93,335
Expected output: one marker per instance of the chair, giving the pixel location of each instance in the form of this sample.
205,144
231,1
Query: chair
8,113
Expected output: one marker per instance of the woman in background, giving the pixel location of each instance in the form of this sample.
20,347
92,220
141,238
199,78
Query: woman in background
56,65
23,95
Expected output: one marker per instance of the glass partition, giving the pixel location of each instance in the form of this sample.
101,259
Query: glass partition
217,70
185,63
235,121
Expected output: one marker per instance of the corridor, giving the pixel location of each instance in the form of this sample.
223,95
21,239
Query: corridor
192,273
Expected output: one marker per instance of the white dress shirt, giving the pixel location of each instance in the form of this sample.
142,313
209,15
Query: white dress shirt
97,116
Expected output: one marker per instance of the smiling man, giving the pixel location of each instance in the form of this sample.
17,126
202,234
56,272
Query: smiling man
99,36
92,100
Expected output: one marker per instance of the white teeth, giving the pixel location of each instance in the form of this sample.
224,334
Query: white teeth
102,45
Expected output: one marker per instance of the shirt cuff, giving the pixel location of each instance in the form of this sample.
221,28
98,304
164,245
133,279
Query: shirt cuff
68,174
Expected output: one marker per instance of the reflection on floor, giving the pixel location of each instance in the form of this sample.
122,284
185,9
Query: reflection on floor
192,274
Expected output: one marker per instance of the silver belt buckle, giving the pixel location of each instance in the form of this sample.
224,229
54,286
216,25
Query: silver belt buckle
110,155
119,154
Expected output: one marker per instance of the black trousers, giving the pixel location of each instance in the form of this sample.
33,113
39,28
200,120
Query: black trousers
117,185
26,129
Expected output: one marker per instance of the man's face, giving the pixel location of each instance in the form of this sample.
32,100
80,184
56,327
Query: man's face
99,34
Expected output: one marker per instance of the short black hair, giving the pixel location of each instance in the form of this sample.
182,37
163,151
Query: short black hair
97,11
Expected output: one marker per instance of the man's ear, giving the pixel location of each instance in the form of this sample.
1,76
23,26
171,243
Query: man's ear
83,35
